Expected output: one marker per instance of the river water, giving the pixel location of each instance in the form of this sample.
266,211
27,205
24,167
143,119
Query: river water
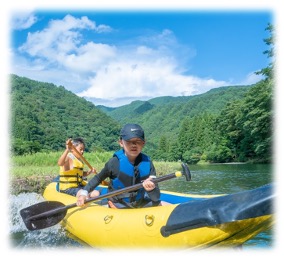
206,179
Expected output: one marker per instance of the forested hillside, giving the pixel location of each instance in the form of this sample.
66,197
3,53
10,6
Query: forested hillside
43,116
164,115
222,125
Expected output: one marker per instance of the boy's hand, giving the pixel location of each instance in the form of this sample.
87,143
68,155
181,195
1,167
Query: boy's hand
148,184
81,200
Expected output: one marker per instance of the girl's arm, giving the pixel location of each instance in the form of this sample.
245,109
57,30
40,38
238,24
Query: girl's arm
64,160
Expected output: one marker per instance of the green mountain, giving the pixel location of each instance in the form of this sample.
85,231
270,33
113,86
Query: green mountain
44,115
164,115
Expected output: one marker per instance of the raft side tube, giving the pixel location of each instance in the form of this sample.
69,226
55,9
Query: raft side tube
223,209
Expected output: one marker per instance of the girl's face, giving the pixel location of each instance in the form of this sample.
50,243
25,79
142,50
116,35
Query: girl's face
80,148
132,147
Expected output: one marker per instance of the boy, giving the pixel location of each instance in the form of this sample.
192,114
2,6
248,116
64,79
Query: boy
127,167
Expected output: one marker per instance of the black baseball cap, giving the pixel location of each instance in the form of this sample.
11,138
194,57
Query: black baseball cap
130,131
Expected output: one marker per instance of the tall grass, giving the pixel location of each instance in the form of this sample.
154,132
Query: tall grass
45,164
51,158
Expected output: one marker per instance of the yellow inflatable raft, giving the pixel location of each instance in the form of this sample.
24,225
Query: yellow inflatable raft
184,221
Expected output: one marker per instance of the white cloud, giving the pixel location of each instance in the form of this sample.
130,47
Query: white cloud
134,79
145,67
88,57
61,37
252,78
23,20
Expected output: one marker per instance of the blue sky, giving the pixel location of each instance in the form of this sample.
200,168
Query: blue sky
115,57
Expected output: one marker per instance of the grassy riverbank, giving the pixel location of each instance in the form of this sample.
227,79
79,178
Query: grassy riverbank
31,173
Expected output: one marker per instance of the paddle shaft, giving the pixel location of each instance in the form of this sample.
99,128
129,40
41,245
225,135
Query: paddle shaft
107,195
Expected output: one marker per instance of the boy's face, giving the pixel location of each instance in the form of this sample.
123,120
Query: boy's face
132,147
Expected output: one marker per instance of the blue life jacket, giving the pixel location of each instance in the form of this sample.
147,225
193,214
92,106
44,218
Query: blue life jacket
129,175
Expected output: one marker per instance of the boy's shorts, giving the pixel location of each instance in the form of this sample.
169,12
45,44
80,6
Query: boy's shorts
72,191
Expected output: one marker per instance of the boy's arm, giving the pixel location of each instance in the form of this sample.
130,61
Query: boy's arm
154,195
100,177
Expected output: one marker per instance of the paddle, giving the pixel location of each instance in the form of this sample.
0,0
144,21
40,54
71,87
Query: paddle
70,145
49,213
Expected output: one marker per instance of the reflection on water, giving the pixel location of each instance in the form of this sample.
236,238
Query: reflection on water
206,179
221,179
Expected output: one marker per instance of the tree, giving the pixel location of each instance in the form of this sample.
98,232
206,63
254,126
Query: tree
163,148
230,127
269,70
258,117
43,116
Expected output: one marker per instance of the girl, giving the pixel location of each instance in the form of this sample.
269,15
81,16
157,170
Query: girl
71,174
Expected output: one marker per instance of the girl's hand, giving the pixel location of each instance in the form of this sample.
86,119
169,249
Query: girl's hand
68,143
92,171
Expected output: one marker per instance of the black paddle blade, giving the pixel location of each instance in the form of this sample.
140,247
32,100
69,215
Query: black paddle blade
43,214
186,172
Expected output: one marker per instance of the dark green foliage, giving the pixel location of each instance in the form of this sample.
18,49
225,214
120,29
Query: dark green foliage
247,124
268,71
43,116
146,106
242,131
165,115
258,119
